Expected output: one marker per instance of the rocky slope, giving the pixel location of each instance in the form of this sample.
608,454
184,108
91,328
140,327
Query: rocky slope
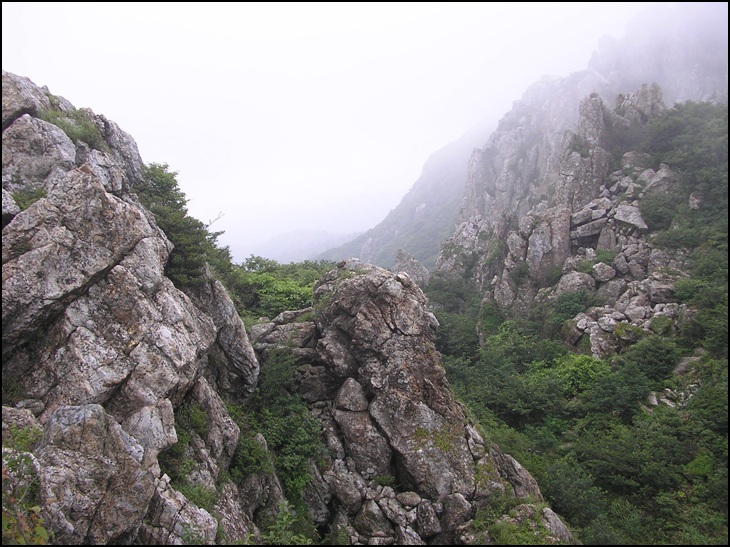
112,362
559,182
539,210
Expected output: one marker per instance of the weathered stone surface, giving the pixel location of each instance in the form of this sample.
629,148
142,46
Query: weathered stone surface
405,262
52,253
630,215
32,150
234,522
174,520
588,230
371,521
236,368
21,96
364,444
603,272
427,523
516,475
351,396
95,487
549,243
575,281
90,319
377,387
663,180
346,487
222,432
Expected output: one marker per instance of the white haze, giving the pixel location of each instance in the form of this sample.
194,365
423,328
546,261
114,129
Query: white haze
313,116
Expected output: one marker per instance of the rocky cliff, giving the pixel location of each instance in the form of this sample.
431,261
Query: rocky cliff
559,181
125,377
544,201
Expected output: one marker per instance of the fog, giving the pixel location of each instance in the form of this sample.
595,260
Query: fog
306,117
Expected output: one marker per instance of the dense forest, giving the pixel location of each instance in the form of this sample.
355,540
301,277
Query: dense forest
619,471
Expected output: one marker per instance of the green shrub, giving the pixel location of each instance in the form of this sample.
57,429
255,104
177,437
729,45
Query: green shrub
661,325
22,521
659,209
605,255
203,497
160,193
655,356
78,125
572,492
28,196
284,530
520,273
250,457
191,416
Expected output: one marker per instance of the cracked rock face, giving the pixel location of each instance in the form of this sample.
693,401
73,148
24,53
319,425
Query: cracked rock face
376,384
99,342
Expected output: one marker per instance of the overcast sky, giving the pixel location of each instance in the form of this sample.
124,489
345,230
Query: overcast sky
299,116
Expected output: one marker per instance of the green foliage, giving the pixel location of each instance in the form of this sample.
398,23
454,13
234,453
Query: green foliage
605,255
572,492
191,416
385,480
22,521
293,435
456,306
283,530
520,273
262,287
457,335
620,392
78,125
692,139
550,316
658,209
203,497
175,461
27,197
579,373
528,532
661,325
194,245
250,457
654,356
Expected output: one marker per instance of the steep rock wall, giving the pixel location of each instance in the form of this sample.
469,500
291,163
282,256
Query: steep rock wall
94,335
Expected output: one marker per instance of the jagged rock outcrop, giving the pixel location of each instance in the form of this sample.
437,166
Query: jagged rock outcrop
556,181
553,247
95,337
374,380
